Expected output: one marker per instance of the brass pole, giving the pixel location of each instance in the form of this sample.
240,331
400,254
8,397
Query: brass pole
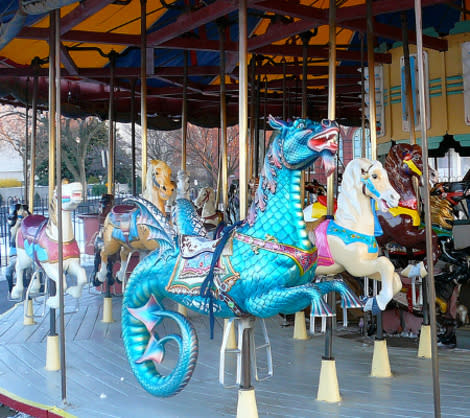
52,106
133,177
284,92
184,113
143,87
243,104
34,108
111,139
223,121
408,86
60,238
371,65
331,94
427,212
252,118
363,102
26,146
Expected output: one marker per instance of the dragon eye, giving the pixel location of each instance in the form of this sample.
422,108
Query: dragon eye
326,123
301,125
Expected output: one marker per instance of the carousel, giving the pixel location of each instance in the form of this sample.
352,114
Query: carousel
334,211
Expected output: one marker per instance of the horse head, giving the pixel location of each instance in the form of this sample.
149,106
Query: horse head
72,195
372,178
205,195
303,141
404,161
158,181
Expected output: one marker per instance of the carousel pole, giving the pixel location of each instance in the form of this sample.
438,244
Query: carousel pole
328,387
300,328
26,146
232,342
60,237
223,121
246,407
251,136
34,108
108,300
380,360
363,104
408,87
143,87
284,98
133,177
431,290
52,349
184,135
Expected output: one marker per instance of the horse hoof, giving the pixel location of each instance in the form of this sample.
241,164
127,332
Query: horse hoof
16,293
74,291
370,304
53,302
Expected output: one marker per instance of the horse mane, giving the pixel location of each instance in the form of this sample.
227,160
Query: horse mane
267,180
147,194
351,188
53,210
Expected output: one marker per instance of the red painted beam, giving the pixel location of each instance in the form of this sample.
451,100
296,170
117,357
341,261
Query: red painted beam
380,7
394,33
320,52
189,21
83,11
279,31
320,16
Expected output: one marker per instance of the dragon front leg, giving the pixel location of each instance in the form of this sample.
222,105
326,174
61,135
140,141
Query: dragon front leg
348,297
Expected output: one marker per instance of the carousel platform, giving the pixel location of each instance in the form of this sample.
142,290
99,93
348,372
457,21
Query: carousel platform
101,384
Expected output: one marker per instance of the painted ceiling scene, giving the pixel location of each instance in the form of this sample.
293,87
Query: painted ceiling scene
101,43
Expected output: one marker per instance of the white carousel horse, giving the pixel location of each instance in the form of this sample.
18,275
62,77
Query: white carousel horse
205,201
36,242
351,235
125,231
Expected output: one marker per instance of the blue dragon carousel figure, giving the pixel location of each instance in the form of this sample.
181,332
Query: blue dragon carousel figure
260,267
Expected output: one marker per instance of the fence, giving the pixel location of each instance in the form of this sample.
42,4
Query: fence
41,205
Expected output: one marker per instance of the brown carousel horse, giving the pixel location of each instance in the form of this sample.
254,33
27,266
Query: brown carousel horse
123,229
402,225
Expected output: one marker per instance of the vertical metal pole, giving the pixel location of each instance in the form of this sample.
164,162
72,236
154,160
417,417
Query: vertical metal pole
111,139
223,120
330,179
34,106
26,146
363,102
133,177
305,40
60,238
371,65
262,144
243,104
255,150
184,113
143,86
427,211
284,92
252,118
52,106
408,87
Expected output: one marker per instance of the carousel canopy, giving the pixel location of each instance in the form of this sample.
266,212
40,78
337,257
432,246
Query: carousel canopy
94,33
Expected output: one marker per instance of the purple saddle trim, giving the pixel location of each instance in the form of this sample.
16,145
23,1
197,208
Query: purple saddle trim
123,209
30,226
324,254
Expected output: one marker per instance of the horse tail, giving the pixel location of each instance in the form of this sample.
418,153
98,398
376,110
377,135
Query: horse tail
142,314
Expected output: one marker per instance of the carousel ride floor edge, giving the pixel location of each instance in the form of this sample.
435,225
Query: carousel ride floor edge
101,384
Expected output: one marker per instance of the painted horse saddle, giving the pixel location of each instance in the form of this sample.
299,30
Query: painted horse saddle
121,216
31,225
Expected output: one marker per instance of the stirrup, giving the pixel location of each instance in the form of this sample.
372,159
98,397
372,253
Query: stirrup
245,323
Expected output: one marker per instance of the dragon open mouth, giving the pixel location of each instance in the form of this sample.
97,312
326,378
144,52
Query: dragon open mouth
326,140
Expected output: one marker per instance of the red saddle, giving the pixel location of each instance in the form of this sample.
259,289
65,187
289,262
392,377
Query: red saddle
31,225
322,199
121,216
